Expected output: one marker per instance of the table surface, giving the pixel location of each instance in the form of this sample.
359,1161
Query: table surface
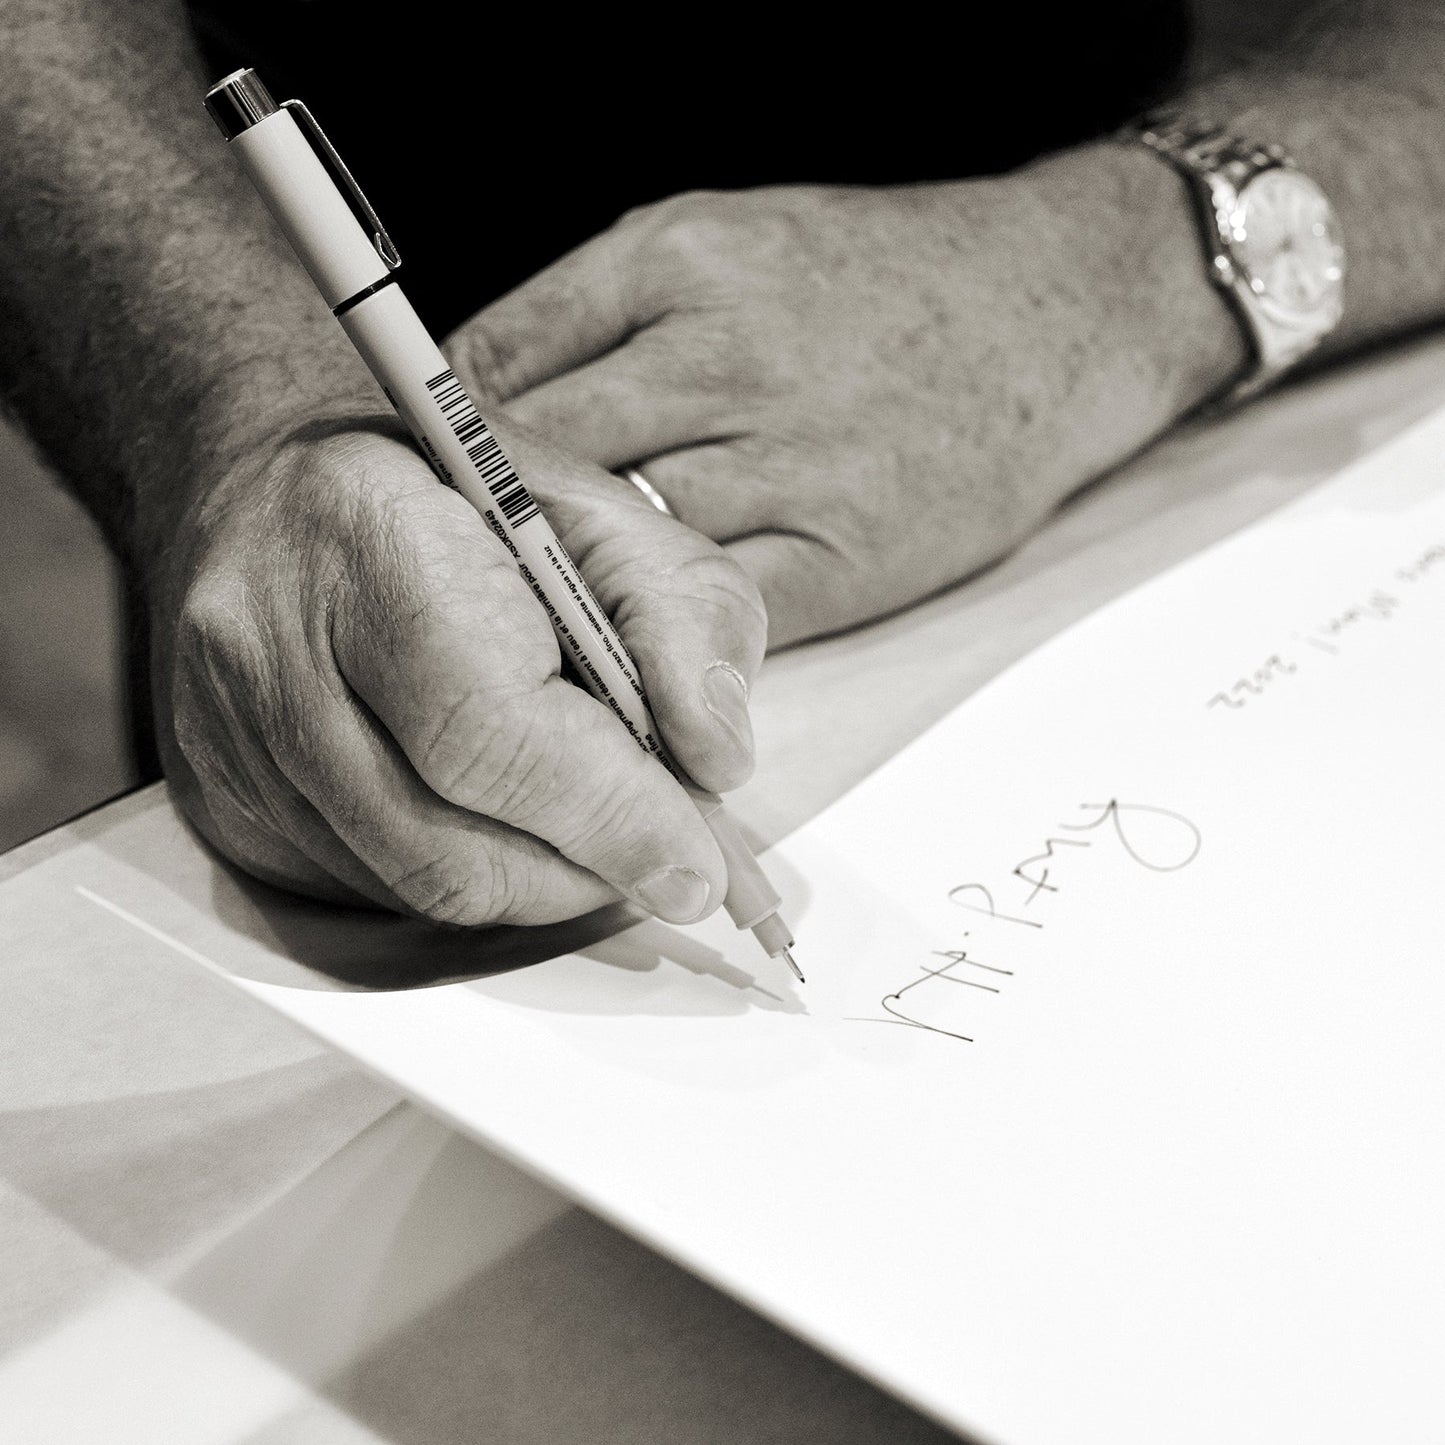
215,1230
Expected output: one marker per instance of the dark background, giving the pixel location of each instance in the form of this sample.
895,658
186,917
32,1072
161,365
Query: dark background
492,142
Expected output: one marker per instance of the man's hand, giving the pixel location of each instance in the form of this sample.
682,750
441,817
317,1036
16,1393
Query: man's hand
868,394
358,694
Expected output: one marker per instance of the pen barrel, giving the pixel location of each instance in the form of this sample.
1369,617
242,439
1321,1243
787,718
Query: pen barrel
751,900
311,211
462,451
351,270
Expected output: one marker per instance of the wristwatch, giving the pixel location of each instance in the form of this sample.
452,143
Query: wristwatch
1271,240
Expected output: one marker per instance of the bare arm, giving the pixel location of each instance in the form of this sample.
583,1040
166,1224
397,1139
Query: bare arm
355,692
154,323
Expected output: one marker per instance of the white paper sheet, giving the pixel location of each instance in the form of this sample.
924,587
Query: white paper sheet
1114,1108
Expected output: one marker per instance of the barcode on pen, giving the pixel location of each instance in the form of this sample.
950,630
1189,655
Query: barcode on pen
513,500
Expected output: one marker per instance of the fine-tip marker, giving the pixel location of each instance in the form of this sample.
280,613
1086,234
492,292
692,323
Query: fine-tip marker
354,268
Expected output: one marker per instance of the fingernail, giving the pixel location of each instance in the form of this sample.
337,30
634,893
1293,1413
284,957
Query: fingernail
726,696
677,895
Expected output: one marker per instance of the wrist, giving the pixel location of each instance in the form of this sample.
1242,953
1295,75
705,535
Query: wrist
180,469
1127,220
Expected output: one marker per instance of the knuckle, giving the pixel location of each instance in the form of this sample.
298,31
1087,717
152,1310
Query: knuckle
716,581
218,646
614,833
710,581
212,616
695,229
403,572
483,754
444,891
717,227
244,697
465,889
719,359
696,239
483,360
654,216
636,221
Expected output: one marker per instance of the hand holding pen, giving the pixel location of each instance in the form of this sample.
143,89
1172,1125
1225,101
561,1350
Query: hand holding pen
435,757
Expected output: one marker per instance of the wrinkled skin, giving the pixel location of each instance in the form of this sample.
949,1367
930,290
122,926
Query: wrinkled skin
865,394
359,696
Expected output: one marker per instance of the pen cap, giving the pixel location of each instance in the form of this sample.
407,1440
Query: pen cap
238,102
309,206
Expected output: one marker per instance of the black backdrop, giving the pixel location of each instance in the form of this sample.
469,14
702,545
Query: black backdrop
494,138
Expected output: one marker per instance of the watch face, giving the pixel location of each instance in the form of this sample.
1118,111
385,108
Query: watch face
1288,245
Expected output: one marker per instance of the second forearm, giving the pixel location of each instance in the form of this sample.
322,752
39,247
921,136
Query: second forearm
155,325
1355,92
1360,106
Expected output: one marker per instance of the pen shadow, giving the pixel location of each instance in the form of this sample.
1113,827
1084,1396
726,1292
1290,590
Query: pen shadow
627,975
307,944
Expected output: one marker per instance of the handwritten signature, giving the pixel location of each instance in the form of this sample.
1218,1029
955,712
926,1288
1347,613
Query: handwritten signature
1154,838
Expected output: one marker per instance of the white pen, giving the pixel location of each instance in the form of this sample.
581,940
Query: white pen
355,273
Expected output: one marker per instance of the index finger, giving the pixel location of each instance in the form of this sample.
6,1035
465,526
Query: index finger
574,311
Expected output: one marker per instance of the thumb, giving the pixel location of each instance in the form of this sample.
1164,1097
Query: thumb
693,621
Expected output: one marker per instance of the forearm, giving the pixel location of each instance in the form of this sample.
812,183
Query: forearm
1356,93
154,326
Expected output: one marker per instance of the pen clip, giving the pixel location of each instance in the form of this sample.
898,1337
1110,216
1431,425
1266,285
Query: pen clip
385,246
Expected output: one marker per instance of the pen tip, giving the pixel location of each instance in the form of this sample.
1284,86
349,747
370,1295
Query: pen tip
789,957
